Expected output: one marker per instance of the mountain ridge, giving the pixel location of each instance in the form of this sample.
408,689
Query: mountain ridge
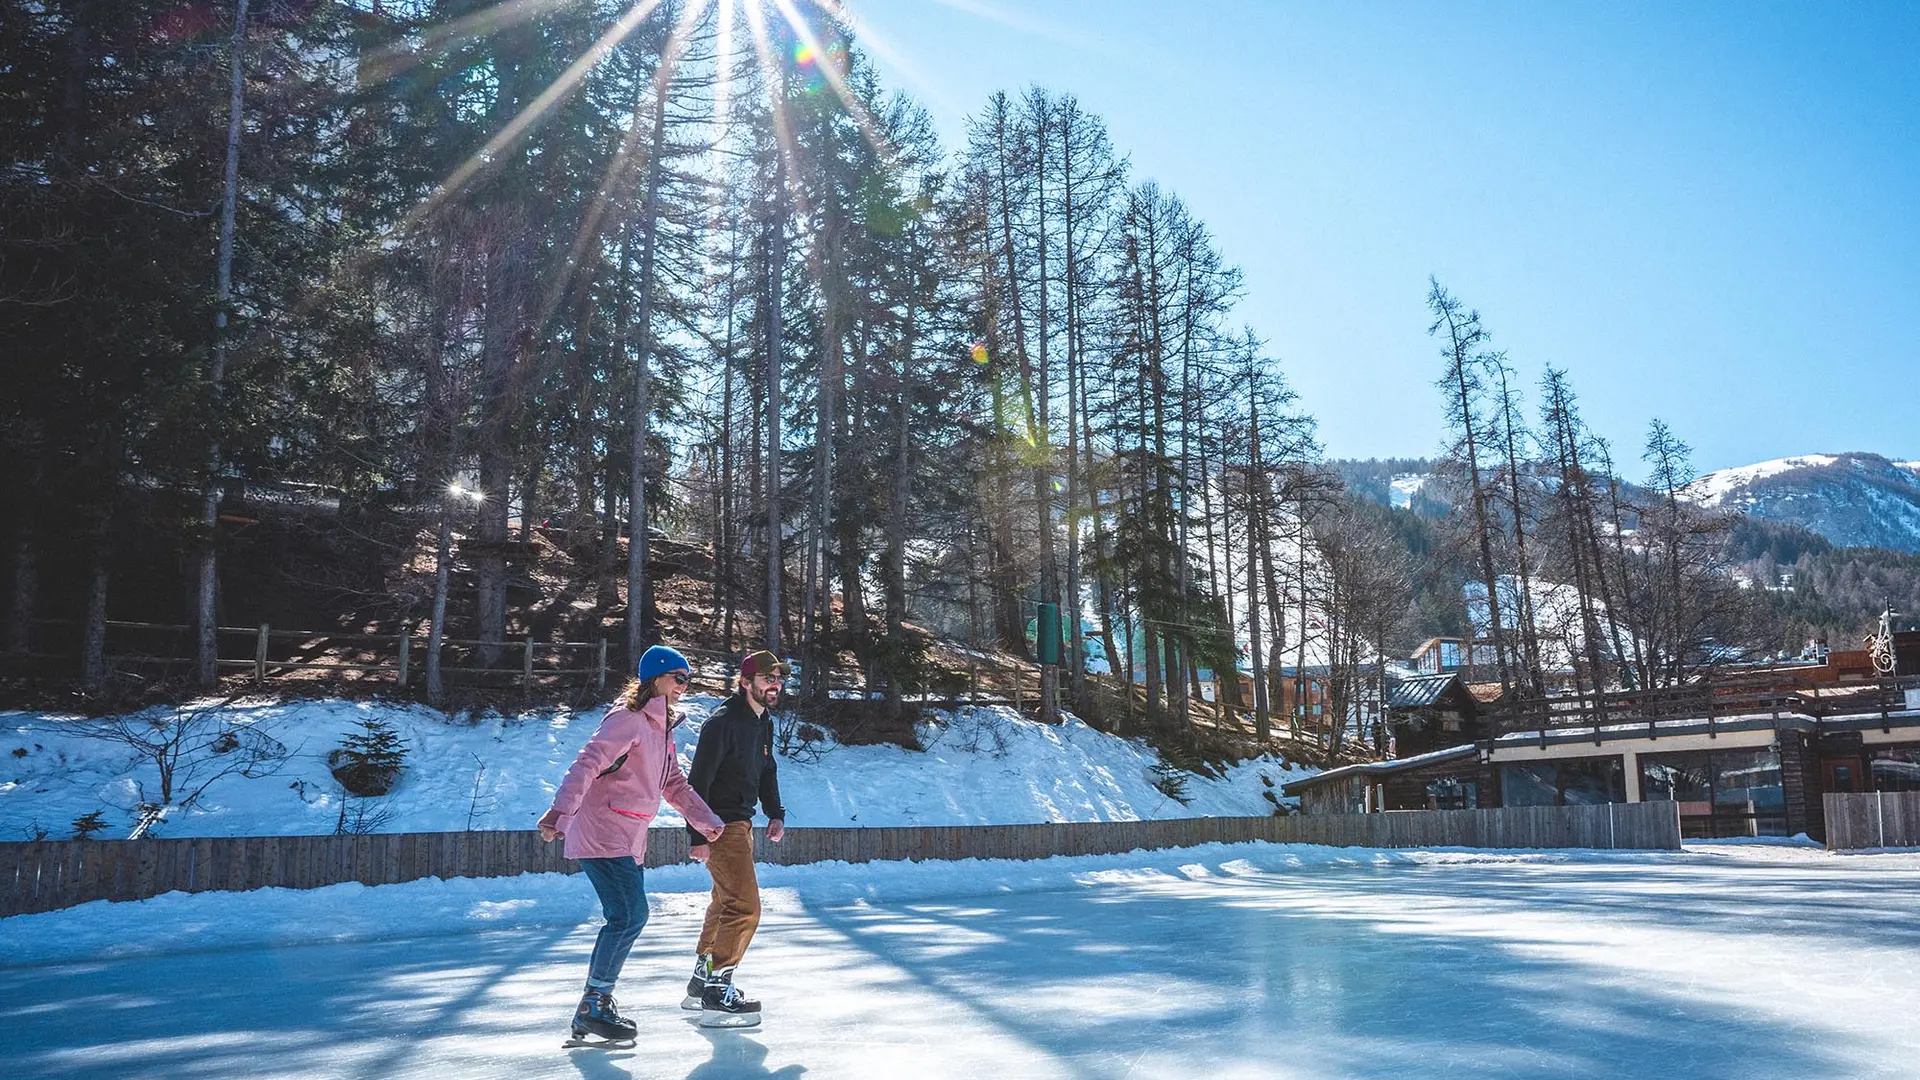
1853,498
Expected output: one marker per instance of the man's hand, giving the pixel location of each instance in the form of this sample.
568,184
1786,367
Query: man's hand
549,826
699,852
776,829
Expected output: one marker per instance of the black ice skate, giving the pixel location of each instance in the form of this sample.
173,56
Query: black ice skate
697,986
597,1023
723,1005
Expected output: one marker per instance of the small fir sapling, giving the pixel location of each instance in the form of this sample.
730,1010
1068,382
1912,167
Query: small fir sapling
368,761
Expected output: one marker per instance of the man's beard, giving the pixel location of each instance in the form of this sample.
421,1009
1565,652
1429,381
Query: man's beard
766,699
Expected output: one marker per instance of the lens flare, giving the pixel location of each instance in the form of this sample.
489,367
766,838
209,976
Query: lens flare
803,54
979,352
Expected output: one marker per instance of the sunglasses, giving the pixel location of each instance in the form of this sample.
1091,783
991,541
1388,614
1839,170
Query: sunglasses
681,678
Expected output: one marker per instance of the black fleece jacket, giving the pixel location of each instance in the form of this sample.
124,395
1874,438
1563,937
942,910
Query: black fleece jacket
734,766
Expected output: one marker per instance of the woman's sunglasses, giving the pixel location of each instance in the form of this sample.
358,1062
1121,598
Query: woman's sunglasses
682,678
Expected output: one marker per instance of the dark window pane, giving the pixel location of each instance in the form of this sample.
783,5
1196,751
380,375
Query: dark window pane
1676,778
1748,781
1896,770
1531,784
1591,781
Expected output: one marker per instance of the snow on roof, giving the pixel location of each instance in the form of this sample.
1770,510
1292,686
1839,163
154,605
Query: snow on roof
1714,487
1373,768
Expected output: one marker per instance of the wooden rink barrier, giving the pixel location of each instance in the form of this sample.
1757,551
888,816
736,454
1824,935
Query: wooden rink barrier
46,875
1873,819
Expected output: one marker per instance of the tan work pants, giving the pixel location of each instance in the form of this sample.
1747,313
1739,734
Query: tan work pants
734,912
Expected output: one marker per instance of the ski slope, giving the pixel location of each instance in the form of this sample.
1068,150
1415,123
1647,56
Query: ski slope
1246,961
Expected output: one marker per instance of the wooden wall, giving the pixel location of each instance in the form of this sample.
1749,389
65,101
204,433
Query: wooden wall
50,874
1874,819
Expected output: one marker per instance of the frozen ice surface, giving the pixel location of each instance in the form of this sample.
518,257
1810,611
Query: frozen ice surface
1729,963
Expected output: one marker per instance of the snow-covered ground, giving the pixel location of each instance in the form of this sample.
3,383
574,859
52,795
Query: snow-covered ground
1713,488
981,766
1404,487
1255,960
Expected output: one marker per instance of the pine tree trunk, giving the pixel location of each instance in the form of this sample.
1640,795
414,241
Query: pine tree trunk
776,265
639,583
442,561
206,595
26,518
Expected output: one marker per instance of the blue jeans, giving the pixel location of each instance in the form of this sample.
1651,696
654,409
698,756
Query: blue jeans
623,897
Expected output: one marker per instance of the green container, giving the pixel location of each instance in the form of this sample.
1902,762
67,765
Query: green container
1046,633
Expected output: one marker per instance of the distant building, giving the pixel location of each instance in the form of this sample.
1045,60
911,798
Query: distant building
1751,757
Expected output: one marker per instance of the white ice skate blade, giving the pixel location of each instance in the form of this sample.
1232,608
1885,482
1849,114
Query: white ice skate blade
717,1019
691,1001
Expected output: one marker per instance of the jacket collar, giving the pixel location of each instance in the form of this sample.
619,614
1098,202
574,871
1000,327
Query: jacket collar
739,701
657,713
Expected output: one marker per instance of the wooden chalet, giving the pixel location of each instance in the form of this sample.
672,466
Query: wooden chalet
1743,755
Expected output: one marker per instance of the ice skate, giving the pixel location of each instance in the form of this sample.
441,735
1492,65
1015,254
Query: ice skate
598,1023
723,1005
697,985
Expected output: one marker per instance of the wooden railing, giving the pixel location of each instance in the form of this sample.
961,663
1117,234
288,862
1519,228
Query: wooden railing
49,874
1710,702
272,653
1874,819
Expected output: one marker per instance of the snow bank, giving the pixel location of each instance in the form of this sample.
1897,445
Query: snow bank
985,765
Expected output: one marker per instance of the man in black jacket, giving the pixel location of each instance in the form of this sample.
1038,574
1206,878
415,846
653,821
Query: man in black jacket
733,769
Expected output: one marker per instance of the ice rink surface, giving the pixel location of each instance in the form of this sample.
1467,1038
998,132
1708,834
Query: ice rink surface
1733,965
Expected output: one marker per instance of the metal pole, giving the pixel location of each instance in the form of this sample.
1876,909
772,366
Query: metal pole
526,666
260,655
406,647
1880,816
600,665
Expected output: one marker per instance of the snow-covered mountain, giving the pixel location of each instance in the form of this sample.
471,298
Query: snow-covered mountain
1852,499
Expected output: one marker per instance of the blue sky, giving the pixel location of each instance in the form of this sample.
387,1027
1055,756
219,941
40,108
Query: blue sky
1708,213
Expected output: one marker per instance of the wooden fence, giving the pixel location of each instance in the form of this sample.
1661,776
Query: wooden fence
271,653
49,874
1874,819
1607,826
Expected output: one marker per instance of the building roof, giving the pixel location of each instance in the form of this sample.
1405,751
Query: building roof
1487,693
1378,768
1420,691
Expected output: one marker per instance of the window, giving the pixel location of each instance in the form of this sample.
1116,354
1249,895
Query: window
1452,794
1896,770
1449,655
1720,792
1574,782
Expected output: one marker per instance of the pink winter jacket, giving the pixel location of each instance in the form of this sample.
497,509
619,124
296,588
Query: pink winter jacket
604,814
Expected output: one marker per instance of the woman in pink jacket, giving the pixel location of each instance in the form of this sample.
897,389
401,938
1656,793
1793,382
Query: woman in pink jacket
603,807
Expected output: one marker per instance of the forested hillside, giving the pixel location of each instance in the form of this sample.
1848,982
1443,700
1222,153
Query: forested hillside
314,299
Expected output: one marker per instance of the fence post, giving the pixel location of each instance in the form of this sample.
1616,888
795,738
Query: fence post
526,666
1016,689
600,666
406,646
260,655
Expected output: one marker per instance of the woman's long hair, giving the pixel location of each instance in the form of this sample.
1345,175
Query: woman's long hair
637,693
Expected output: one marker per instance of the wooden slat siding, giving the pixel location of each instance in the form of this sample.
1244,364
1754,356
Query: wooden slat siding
1857,822
44,875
